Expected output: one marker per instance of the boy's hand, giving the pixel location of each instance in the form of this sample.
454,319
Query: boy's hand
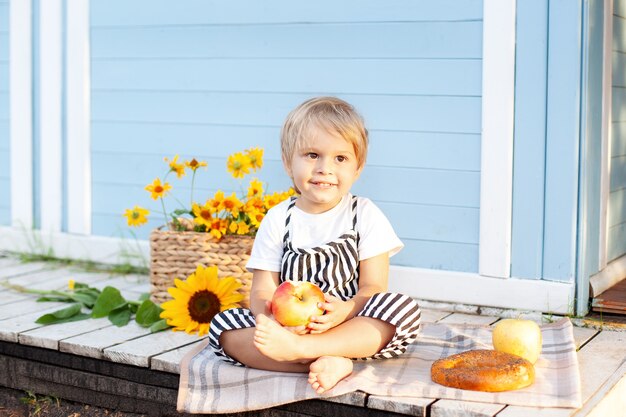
337,311
295,329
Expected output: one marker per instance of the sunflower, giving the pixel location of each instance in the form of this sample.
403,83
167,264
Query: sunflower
198,299
136,216
202,214
158,190
179,169
238,164
255,155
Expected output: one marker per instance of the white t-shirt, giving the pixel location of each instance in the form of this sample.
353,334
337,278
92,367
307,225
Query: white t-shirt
376,235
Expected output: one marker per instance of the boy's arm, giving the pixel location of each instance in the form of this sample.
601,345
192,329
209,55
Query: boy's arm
264,283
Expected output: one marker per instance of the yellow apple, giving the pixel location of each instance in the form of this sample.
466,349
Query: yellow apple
519,337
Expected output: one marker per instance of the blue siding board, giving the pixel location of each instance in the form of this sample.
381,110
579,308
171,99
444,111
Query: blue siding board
618,130
618,107
619,61
563,115
5,190
420,113
457,40
617,204
410,77
619,33
205,79
530,139
618,172
201,12
617,241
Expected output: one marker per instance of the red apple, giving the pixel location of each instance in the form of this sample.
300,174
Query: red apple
294,303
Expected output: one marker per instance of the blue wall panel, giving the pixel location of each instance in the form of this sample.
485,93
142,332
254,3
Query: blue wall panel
562,138
530,139
205,78
5,192
616,245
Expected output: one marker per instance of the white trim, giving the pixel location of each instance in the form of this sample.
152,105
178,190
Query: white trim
78,118
426,284
51,140
474,289
21,113
608,276
496,175
605,169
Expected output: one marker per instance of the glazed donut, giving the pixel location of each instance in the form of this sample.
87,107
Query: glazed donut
483,370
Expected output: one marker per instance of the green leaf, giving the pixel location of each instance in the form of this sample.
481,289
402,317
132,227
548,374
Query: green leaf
158,326
87,299
179,212
80,285
109,300
55,298
71,313
120,316
144,296
148,313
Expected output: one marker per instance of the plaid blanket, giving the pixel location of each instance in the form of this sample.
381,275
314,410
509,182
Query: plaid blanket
209,385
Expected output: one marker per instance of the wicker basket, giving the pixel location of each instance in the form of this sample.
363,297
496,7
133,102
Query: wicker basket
177,254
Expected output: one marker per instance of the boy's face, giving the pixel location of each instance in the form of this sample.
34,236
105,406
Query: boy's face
323,171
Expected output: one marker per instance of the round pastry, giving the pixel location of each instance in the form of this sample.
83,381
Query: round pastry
483,370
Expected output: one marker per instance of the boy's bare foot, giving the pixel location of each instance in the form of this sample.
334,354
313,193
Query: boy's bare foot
276,342
327,371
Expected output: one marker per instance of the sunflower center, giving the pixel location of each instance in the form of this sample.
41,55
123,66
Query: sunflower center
203,306
205,214
193,163
135,215
158,189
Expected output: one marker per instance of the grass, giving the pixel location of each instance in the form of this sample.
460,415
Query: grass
87,265
39,403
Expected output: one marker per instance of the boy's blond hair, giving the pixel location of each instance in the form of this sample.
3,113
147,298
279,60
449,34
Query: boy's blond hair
329,113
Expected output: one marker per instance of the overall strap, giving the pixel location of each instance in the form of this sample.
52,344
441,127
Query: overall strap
292,203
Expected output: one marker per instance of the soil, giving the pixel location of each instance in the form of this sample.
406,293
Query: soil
15,403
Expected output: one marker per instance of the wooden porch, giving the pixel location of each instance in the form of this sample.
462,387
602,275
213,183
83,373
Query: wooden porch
130,369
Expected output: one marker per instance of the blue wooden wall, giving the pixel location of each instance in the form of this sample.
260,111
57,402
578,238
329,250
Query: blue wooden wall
206,78
617,198
5,194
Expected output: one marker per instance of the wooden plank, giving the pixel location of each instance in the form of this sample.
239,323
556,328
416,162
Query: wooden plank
455,408
6,262
461,318
10,328
170,361
582,335
49,336
599,360
21,269
609,398
357,398
432,316
38,276
92,344
7,296
139,351
517,411
402,405
25,306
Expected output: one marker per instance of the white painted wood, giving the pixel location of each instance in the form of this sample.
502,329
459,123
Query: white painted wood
357,398
518,411
496,175
610,397
402,405
7,297
467,288
44,276
25,306
6,262
609,276
582,335
432,316
459,318
599,360
11,328
92,344
170,361
607,94
21,113
78,118
21,269
455,408
139,351
49,336
50,115
425,284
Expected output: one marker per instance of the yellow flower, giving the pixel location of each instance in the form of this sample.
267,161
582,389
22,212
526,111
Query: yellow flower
198,299
179,169
272,200
136,216
202,214
194,164
240,228
256,157
254,204
232,205
239,165
218,228
255,189
70,284
256,217
216,204
158,190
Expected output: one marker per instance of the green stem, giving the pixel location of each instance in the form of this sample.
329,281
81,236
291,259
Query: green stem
22,289
164,212
193,179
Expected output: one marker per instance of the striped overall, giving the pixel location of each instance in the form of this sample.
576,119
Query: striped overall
334,267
